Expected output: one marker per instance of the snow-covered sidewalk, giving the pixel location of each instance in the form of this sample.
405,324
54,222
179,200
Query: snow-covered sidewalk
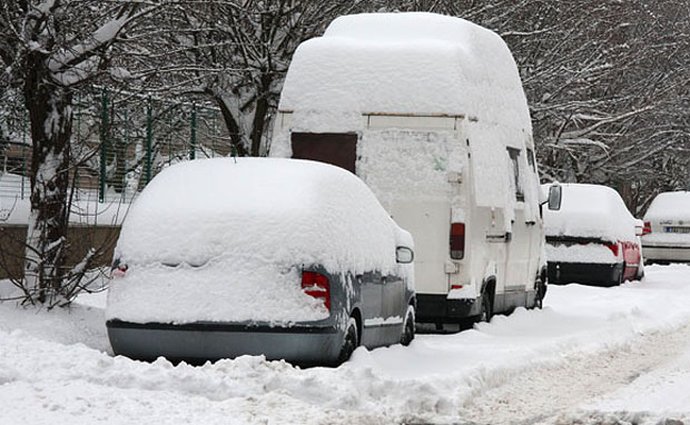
557,364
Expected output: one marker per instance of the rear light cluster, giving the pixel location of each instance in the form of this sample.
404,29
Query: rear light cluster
119,269
317,286
614,247
457,241
647,229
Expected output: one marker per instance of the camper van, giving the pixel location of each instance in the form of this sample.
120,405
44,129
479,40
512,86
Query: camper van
430,112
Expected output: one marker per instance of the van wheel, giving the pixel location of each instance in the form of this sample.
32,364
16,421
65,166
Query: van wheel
486,312
350,341
408,327
540,294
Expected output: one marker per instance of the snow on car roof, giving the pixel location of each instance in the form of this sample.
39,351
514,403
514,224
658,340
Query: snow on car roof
407,63
291,211
589,210
670,205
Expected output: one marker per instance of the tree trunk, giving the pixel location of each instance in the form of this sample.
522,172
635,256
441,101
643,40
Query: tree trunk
50,115
260,113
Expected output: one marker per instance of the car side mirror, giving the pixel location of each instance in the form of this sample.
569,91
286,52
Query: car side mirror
404,255
555,197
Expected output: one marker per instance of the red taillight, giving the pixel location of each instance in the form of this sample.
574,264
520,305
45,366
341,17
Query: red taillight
118,270
647,229
457,241
613,247
317,285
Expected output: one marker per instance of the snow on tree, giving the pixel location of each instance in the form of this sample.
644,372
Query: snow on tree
49,49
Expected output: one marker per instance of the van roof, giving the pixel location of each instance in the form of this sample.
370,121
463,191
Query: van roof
407,63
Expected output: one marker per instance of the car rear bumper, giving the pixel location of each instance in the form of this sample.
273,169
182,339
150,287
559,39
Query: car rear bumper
587,273
437,308
666,253
199,342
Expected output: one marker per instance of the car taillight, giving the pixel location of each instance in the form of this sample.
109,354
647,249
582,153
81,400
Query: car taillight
613,247
457,241
647,229
317,285
118,270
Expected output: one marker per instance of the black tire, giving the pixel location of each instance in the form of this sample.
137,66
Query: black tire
408,331
539,296
350,341
486,311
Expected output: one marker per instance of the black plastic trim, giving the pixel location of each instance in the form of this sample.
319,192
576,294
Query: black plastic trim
222,327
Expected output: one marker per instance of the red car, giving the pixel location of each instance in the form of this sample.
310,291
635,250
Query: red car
593,238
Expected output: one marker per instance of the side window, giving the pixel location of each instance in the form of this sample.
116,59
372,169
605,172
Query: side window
530,159
514,160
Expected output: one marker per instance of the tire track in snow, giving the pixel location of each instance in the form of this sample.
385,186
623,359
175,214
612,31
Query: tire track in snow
552,393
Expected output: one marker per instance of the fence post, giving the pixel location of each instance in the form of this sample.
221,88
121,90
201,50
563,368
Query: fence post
104,147
192,142
149,137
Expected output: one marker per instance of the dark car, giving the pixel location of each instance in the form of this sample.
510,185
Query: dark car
592,238
288,259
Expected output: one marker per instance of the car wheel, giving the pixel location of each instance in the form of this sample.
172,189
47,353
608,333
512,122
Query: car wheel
350,341
408,327
486,311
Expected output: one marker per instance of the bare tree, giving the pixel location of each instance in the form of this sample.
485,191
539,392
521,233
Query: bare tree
49,49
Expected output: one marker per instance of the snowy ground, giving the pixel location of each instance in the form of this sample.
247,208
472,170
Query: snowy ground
593,355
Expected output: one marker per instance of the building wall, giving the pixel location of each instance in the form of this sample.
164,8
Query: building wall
80,240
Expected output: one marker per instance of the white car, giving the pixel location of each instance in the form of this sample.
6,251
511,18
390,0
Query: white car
289,259
666,235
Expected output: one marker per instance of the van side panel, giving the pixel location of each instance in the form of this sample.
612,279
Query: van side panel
429,224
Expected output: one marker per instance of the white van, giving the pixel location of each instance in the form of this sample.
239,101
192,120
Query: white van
430,112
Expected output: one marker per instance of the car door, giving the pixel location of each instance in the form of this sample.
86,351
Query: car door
394,307
371,284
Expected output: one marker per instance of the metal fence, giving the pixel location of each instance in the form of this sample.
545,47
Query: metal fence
119,142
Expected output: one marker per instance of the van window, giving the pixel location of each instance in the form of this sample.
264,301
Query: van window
339,149
514,160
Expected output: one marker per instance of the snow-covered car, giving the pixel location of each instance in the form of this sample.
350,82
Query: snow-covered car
592,238
666,235
289,259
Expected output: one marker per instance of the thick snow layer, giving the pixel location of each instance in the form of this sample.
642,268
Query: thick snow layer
207,234
593,211
55,367
407,63
589,253
670,206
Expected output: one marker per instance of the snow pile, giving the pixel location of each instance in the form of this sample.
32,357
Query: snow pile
415,63
590,211
46,378
208,234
